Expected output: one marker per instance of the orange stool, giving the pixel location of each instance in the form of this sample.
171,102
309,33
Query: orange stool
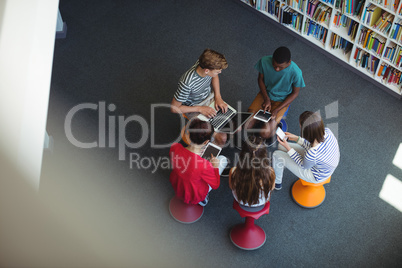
185,213
247,235
307,194
185,135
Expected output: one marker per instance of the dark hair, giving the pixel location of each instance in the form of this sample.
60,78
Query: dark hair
212,60
312,126
253,172
281,55
200,131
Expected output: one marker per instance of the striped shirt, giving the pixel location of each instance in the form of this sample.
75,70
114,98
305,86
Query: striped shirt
321,159
193,88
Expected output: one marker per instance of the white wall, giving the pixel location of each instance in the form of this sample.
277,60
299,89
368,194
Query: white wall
27,35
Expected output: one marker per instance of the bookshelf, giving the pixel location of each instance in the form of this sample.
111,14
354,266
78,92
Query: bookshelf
366,35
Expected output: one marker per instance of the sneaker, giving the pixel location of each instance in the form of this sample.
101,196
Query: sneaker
205,201
278,186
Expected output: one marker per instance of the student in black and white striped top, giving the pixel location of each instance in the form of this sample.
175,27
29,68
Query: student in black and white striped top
313,157
195,86
194,92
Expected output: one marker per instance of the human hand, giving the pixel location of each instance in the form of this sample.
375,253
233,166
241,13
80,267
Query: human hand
214,161
274,113
284,143
266,105
291,137
207,111
221,105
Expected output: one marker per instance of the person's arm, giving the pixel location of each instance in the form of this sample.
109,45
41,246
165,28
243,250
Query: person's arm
266,105
219,103
210,173
291,97
302,162
306,162
178,108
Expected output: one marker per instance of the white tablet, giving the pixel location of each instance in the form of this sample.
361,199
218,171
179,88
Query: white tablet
263,116
211,149
280,133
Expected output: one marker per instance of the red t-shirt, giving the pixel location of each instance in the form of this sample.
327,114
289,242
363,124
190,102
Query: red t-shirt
191,175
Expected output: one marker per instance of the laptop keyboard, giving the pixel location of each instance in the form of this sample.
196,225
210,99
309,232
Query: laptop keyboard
221,118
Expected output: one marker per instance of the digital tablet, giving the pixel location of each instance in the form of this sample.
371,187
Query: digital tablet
211,149
263,116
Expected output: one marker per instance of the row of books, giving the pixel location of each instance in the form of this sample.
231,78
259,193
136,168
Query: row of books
396,32
389,75
269,6
351,7
290,17
312,28
351,26
371,14
393,53
296,4
319,11
384,3
372,41
338,42
365,60
384,23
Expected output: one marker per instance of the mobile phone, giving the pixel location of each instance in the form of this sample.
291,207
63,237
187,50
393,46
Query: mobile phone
280,133
211,149
263,116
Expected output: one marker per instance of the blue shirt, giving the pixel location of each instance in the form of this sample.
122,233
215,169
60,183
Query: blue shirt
279,84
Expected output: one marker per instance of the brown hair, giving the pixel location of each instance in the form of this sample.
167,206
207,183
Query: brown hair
253,172
212,60
200,131
312,126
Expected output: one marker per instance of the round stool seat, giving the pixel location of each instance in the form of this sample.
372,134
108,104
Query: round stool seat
247,235
184,213
307,194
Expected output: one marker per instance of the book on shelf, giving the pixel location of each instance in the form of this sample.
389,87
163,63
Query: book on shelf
371,14
359,8
365,60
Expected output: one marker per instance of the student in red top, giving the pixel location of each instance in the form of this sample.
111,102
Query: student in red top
192,176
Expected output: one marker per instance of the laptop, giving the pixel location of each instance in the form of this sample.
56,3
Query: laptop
228,122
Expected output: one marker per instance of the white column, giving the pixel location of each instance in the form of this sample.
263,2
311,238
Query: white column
27,35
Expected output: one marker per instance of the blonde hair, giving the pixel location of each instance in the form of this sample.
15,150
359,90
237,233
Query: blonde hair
212,60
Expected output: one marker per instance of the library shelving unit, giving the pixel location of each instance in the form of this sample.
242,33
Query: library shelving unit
365,35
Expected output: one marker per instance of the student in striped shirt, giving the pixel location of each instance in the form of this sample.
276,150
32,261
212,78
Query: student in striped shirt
313,157
194,92
195,85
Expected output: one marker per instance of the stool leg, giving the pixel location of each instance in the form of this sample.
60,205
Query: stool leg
185,213
247,235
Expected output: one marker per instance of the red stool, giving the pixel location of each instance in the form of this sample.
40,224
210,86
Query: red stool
247,235
185,213
307,194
